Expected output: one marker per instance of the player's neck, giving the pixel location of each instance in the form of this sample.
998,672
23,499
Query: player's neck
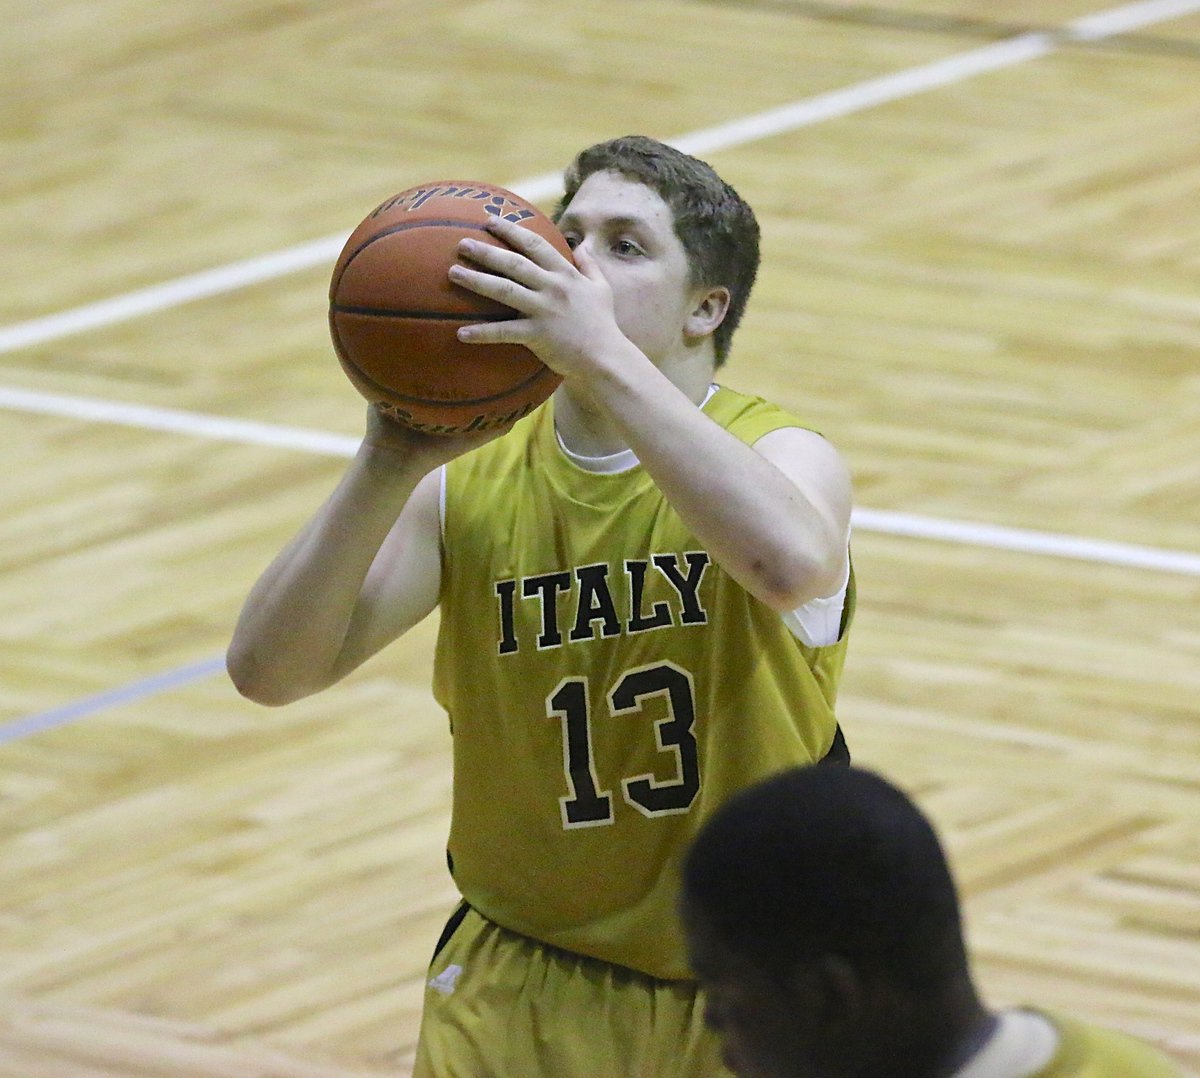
587,429
583,428
915,1035
954,1031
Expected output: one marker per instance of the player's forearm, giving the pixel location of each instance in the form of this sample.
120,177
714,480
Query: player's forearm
295,621
758,524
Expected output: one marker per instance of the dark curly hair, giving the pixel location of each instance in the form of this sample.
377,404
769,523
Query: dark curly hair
829,860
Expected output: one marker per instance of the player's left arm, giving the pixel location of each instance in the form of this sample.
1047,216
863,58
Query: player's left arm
775,515
815,467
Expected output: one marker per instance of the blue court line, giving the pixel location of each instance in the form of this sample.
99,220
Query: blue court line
89,705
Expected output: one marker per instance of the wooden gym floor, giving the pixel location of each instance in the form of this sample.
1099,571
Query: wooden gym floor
981,280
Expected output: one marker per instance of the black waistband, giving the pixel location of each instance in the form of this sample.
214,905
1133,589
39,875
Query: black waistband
839,751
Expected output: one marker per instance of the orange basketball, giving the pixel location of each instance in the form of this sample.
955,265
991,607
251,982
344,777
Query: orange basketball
393,312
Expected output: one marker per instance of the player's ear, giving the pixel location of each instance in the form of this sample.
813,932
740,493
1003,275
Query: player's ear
708,312
836,992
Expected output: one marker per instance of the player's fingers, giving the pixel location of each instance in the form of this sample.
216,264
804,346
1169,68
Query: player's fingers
502,289
537,248
500,260
588,266
497,331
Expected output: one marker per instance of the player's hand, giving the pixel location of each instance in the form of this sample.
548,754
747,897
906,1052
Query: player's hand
414,448
567,309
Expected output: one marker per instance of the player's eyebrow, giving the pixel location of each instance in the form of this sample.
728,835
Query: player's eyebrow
617,221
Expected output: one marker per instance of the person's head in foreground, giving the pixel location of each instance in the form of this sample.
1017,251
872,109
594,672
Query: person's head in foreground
823,923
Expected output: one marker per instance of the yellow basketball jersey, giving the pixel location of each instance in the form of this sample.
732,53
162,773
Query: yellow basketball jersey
608,685
1086,1051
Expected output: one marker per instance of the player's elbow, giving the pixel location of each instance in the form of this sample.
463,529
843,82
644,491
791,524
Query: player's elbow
258,683
799,577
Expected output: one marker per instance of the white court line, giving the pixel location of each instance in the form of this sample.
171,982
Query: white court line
863,95
323,443
1021,540
910,82
175,421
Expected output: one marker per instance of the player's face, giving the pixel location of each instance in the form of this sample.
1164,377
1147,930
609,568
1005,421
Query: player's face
630,232
765,1030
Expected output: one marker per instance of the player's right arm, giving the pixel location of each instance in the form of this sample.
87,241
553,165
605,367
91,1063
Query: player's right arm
364,570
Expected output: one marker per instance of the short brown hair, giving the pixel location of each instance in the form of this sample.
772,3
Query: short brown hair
717,228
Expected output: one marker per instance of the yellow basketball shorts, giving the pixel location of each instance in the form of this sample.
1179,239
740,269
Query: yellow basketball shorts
500,1005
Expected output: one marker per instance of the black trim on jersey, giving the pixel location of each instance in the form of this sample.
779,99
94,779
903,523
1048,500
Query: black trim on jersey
848,603
456,918
839,752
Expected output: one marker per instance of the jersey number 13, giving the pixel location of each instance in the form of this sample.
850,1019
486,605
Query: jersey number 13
587,805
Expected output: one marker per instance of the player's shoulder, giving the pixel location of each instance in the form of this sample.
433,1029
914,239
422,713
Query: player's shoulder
777,433
1090,1051
749,416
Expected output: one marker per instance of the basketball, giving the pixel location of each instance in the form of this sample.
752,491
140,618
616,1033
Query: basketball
394,313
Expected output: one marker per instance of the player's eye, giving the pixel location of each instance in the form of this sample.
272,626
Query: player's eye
626,247
572,240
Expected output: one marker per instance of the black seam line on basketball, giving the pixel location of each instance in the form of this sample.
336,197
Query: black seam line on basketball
475,402
404,226
468,317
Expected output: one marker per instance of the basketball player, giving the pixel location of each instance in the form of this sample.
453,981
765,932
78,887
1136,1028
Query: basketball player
824,924
644,593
